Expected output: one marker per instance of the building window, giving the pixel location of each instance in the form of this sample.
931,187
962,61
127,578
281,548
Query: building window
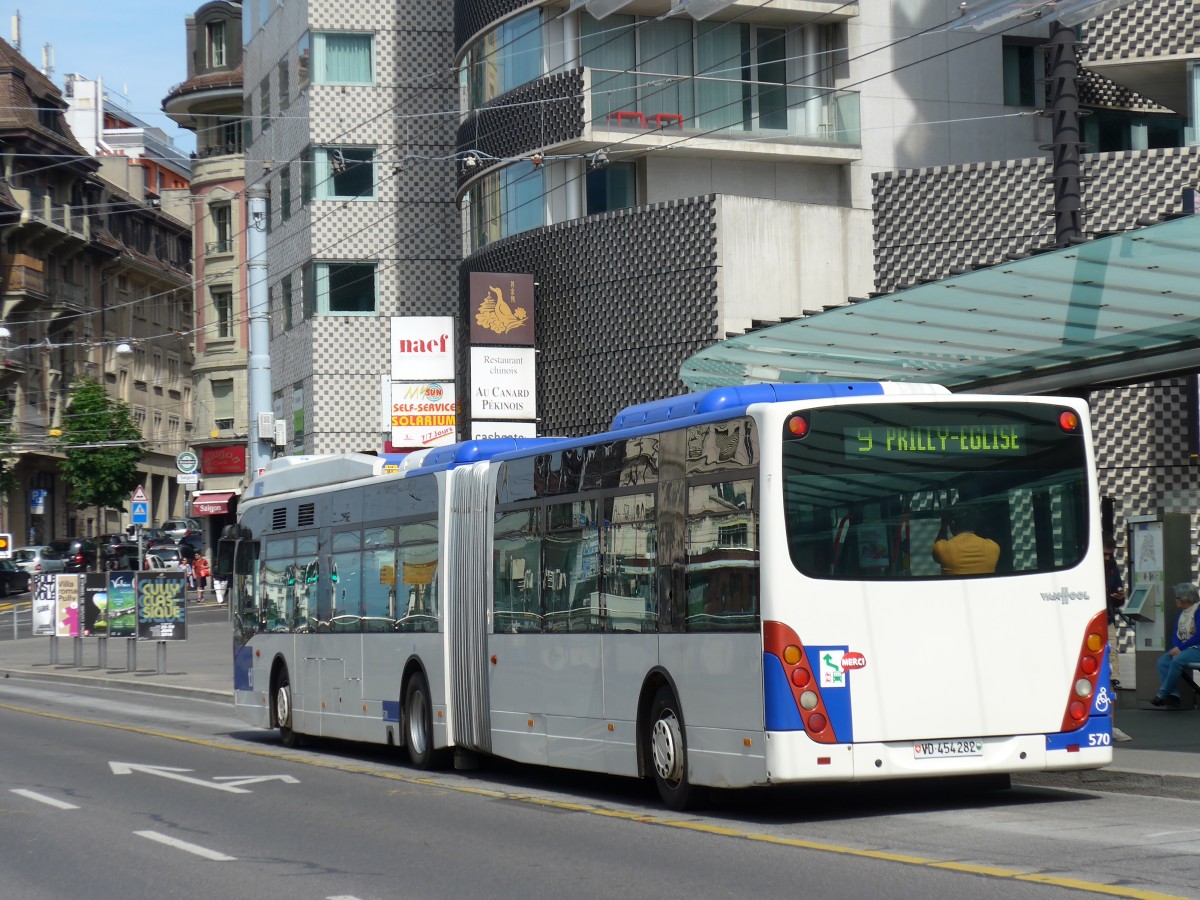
215,32
173,371
222,225
613,187
342,58
339,289
286,301
505,58
285,99
298,416
344,173
1024,67
222,392
264,105
505,203
222,311
285,193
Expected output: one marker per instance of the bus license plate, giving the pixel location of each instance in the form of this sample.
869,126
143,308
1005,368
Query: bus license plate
940,749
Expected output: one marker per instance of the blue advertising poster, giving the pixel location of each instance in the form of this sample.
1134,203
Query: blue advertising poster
161,606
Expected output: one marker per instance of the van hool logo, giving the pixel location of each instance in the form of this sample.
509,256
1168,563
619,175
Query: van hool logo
1064,596
497,315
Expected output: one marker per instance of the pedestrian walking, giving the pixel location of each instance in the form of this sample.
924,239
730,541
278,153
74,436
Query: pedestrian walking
201,571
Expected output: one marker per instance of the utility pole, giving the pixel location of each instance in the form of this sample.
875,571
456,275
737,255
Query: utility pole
258,309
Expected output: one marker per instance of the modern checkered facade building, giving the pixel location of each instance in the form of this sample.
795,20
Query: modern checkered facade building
937,169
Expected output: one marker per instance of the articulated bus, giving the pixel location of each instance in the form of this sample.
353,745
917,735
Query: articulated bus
726,589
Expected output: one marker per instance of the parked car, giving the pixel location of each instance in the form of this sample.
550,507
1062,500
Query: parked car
155,536
122,557
164,557
13,579
178,529
80,554
40,560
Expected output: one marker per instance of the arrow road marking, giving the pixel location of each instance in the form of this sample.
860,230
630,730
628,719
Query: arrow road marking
120,768
238,781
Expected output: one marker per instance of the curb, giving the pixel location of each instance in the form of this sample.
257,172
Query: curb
1116,781
126,682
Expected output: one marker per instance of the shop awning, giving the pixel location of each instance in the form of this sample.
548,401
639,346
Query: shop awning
211,503
1116,310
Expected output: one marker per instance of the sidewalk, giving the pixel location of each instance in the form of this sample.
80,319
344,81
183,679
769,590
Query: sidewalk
1162,759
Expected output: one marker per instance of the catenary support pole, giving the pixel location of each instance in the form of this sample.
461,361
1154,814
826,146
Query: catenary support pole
258,309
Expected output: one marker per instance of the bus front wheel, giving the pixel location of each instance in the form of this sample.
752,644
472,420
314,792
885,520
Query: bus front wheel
666,748
283,711
418,724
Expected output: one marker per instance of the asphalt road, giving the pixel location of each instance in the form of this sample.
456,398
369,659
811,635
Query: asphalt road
134,795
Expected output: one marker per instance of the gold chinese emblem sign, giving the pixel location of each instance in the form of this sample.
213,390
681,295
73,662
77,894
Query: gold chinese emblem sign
502,309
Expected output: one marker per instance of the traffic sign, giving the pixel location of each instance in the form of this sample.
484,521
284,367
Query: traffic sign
188,478
139,507
187,462
6,546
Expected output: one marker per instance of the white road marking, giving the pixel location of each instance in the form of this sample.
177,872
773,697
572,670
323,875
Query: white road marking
239,780
120,768
42,798
184,845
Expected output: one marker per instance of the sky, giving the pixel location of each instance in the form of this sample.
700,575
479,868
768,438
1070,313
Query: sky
137,48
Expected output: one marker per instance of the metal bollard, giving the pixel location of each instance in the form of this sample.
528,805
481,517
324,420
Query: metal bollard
161,659
78,652
102,653
54,650
131,654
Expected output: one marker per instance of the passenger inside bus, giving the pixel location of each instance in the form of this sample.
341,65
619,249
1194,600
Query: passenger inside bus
959,550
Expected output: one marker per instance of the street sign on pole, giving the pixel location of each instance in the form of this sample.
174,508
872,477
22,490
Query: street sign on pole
139,507
187,462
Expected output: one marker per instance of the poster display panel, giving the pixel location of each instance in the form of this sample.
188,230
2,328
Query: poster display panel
122,605
161,606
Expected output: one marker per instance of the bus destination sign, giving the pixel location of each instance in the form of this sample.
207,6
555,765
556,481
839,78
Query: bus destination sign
936,440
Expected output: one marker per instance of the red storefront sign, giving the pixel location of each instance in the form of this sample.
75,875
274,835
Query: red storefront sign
229,460
211,503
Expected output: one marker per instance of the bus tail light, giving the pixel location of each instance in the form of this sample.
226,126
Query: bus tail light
1087,672
784,644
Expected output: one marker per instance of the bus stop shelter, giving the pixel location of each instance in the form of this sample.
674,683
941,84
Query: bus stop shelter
1112,311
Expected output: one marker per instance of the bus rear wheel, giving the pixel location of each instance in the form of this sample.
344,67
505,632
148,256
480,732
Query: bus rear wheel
418,724
283,711
666,749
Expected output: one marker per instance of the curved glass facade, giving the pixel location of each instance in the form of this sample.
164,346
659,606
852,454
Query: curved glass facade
505,58
505,203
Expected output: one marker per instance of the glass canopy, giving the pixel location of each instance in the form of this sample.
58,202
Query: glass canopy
1115,310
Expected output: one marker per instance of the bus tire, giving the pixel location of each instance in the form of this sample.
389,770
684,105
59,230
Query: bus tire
666,750
283,711
418,725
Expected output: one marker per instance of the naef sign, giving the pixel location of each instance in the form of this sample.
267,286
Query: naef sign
422,348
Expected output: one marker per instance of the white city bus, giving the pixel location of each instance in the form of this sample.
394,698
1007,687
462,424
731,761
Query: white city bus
725,589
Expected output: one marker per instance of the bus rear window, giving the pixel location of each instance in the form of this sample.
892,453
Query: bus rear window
867,490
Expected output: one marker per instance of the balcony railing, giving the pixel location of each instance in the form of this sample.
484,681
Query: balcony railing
723,107
24,274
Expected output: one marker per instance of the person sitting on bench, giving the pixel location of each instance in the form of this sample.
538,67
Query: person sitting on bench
1186,646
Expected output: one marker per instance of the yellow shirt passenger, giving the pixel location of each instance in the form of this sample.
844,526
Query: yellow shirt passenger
966,553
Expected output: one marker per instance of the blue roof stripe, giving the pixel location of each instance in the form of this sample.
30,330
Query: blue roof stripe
734,400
